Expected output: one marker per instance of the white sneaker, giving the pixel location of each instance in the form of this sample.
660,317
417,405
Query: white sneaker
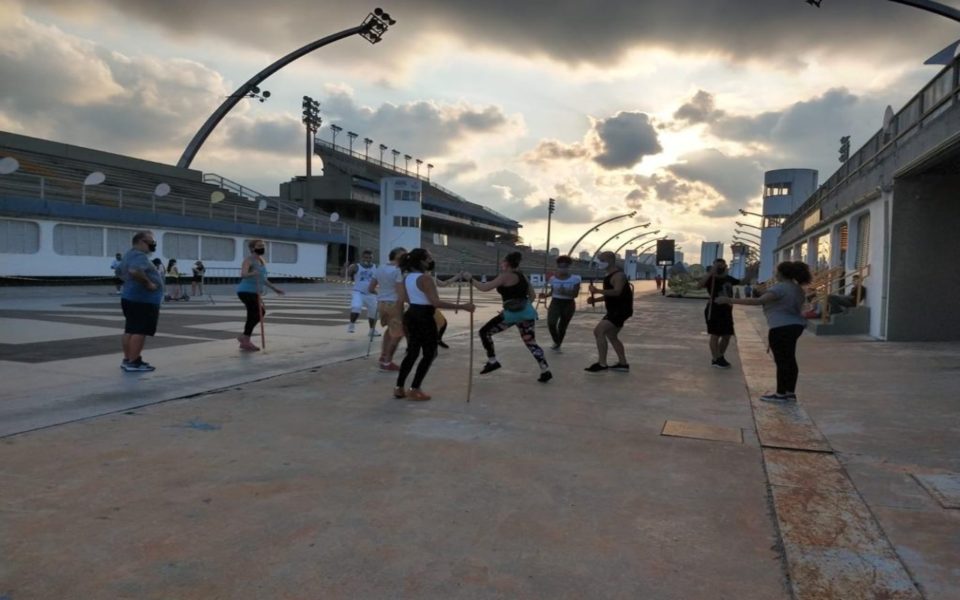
374,333
351,328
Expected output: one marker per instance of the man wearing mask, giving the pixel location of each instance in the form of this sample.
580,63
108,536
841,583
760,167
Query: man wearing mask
719,284
361,298
617,297
140,298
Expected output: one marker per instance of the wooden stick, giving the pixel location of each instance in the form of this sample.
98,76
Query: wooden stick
470,363
263,334
713,282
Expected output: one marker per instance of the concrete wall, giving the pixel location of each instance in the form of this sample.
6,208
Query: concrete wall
924,302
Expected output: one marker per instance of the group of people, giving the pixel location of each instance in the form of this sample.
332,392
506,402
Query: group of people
169,275
403,295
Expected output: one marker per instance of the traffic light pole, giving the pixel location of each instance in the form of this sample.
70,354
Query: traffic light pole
551,206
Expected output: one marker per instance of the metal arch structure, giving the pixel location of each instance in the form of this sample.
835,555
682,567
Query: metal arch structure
935,7
597,228
369,26
615,236
637,237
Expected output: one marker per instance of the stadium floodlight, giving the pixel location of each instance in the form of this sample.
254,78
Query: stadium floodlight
383,148
375,25
366,153
352,137
396,153
335,129
429,168
406,161
312,121
372,29
419,162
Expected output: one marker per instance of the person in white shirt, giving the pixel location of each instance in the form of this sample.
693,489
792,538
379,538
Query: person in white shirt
564,291
361,274
385,282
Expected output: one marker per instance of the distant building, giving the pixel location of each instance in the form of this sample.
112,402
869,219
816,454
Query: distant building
784,190
709,252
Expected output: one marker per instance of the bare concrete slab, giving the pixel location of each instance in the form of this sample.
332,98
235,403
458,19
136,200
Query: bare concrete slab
945,487
701,431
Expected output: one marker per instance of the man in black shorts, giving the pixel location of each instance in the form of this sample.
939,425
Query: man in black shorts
617,295
140,299
719,316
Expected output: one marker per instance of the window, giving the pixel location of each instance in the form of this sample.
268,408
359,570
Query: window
217,248
405,196
406,222
777,189
78,240
773,221
181,246
19,237
283,253
863,241
119,240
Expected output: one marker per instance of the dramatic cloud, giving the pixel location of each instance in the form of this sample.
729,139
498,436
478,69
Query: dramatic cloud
625,139
280,134
737,178
573,32
551,150
422,128
699,109
453,170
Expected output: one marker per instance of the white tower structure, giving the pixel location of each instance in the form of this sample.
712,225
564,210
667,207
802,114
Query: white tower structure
784,190
630,264
400,213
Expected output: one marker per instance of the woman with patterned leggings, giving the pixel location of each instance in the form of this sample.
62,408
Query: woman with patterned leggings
517,294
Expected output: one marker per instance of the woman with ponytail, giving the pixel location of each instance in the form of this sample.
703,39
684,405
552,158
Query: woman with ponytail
253,280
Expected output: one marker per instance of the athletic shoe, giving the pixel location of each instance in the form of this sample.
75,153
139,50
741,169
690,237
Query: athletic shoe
417,395
596,368
389,366
489,367
545,377
443,344
791,396
138,367
399,393
556,348
621,367
124,363
351,328
246,344
774,397
721,363
374,333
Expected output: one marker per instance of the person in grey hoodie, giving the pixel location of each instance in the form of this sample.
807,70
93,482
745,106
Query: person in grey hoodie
783,307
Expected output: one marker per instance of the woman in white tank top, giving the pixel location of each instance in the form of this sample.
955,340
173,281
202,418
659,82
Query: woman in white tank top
420,292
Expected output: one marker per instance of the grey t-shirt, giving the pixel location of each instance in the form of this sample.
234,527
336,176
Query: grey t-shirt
787,309
387,276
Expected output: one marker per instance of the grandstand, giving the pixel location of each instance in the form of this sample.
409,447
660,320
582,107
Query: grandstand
53,225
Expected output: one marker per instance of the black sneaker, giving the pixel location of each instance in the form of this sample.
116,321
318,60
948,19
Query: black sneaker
490,367
138,367
545,377
621,367
596,368
774,397
443,344
721,363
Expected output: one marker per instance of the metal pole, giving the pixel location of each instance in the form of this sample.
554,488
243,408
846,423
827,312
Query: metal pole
934,7
596,228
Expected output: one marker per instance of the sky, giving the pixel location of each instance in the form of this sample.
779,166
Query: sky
673,109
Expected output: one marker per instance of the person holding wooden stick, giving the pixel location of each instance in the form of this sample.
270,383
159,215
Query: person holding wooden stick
253,281
719,316
563,293
617,297
419,292
517,295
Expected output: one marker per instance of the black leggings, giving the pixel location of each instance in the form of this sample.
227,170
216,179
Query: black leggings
558,317
783,344
421,337
252,302
527,334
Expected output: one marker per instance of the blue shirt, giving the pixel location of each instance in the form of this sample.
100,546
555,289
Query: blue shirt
133,290
256,283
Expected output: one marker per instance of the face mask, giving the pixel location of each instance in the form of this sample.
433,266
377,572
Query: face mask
152,247
602,264
431,265
563,269
260,251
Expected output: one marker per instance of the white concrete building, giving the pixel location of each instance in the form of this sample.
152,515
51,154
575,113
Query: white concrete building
784,190
401,210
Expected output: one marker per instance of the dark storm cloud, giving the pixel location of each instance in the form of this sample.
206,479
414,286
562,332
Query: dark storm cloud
736,178
550,150
699,109
573,32
625,139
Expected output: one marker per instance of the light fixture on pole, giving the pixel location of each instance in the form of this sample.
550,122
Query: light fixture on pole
742,232
366,152
615,236
371,29
551,208
747,212
395,153
927,5
335,129
406,163
597,228
635,238
312,121
429,168
383,148
748,225
419,162
352,137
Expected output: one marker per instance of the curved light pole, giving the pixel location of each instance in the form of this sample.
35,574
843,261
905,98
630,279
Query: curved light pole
747,242
748,225
634,238
615,236
648,244
747,212
597,228
742,232
371,29
928,5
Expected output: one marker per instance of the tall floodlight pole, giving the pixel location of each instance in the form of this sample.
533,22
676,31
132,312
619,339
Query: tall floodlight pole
312,121
597,228
383,149
551,208
352,137
396,153
419,162
335,129
429,168
366,152
371,29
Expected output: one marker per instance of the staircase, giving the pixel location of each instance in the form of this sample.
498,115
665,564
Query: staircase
853,321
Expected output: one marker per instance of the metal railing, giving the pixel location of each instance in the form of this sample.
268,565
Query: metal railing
942,92
51,188
827,282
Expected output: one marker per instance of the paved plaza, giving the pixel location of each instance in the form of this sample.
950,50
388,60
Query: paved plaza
294,473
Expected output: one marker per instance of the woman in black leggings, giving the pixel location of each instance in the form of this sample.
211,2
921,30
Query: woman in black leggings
517,294
783,307
420,292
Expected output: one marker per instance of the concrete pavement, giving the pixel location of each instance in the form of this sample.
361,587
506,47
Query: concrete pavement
317,484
